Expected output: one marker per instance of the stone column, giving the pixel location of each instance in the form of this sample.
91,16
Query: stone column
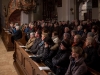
24,17
64,12
99,8
95,10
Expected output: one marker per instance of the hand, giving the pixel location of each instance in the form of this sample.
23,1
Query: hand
46,45
57,66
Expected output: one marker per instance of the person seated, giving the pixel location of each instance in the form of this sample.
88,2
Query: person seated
37,40
30,41
48,43
17,35
31,29
73,33
84,34
91,52
77,65
56,40
66,37
66,30
79,30
12,29
60,61
77,41
26,28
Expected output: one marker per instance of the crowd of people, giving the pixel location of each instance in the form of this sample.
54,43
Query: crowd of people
67,48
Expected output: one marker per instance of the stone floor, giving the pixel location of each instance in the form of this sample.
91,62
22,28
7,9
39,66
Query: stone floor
6,61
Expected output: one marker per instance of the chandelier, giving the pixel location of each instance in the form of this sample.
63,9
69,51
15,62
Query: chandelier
26,5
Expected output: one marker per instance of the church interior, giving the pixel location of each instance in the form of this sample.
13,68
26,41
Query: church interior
49,37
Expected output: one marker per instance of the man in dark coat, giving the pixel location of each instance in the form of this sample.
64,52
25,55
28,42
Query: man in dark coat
17,35
34,47
61,60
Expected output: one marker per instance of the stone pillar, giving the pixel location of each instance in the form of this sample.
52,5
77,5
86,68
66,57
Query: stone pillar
24,18
99,8
95,9
64,12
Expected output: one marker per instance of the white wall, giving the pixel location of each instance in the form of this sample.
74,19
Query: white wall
64,13
24,18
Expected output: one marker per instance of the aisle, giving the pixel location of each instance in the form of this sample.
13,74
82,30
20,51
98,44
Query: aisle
6,61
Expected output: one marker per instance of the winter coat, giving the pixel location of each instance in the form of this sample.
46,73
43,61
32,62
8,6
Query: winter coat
77,68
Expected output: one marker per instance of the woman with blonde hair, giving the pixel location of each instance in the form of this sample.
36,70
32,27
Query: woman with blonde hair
77,65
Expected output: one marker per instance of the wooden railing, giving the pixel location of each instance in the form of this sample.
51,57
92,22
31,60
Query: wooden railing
26,65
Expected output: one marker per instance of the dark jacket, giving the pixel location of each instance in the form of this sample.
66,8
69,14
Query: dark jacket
91,56
48,53
40,48
34,47
61,59
77,68
17,35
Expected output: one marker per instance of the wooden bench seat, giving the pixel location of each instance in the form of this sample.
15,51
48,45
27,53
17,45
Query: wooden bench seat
25,63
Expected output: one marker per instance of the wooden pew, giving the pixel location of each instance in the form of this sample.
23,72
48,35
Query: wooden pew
93,72
6,37
25,64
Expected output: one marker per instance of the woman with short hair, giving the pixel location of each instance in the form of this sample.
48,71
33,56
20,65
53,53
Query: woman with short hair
77,65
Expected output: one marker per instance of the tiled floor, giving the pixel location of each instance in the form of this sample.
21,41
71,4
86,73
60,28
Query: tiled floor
6,61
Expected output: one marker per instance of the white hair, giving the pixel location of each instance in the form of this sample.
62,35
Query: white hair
32,33
17,27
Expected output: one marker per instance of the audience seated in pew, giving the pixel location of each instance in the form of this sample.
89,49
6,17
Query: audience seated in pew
30,41
56,57
17,35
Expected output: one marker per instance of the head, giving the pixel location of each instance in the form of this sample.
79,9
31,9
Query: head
90,34
44,35
89,41
17,27
79,28
54,34
77,52
11,24
48,41
38,34
32,35
66,36
66,29
77,38
31,26
73,33
94,30
64,45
